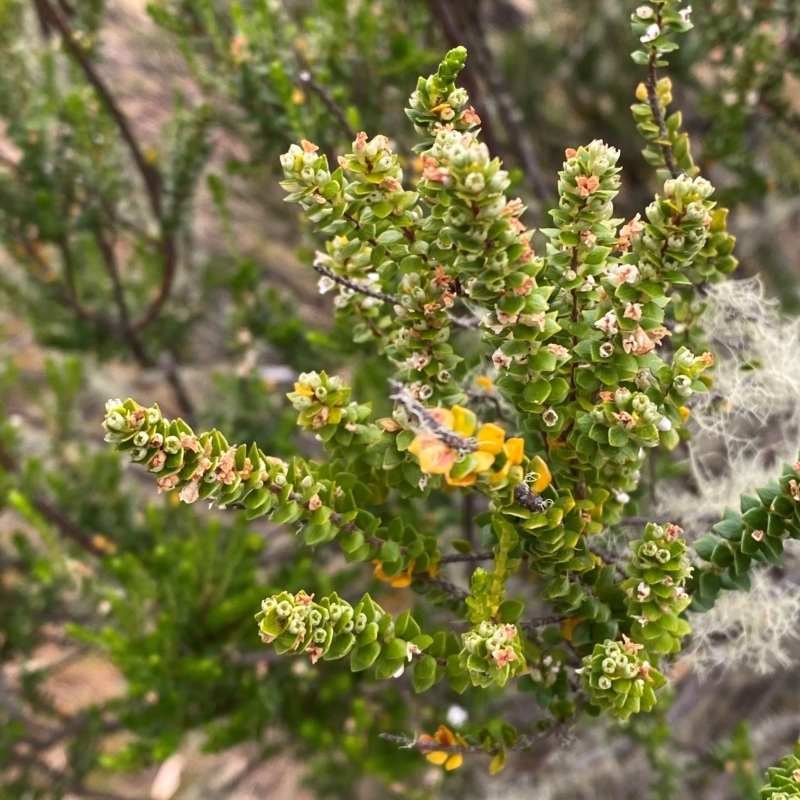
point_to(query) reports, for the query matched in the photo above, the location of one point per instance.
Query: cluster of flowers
(204, 466)
(492, 653)
(324, 407)
(330, 629)
(656, 593)
(623, 422)
(619, 680)
(471, 453)
(443, 737)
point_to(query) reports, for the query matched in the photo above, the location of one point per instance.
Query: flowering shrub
(537, 382)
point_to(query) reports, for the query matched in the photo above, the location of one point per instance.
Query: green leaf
(511, 610)
(498, 762)
(389, 552)
(617, 437)
(364, 656)
(391, 236)
(424, 674)
(396, 649)
(704, 546)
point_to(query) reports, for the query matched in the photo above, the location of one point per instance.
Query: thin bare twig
(510, 114)
(149, 174)
(456, 592)
(652, 99)
(609, 558)
(109, 258)
(522, 743)
(387, 298)
(540, 622)
(456, 557)
(306, 80)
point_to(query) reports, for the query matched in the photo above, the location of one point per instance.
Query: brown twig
(456, 592)
(652, 98)
(149, 174)
(522, 743)
(96, 545)
(306, 80)
(442, 13)
(510, 114)
(109, 258)
(387, 298)
(457, 557)
(540, 622)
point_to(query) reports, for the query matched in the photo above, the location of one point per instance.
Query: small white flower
(651, 34)
(664, 424)
(325, 284)
(686, 14)
(645, 12)
(608, 323)
(500, 359)
(456, 716)
(399, 671)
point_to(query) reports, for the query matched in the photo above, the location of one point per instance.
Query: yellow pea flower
(399, 581)
(304, 390)
(545, 478)
(446, 738)
(437, 458)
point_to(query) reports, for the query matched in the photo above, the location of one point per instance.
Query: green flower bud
(115, 421)
(172, 445)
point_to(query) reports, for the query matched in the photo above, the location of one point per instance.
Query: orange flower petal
(454, 762)
(444, 736)
(444, 416)
(514, 450)
(401, 581)
(545, 478)
(379, 573)
(437, 758)
(466, 480)
(485, 383)
(464, 421)
(304, 390)
(484, 460)
(434, 456)
(491, 438)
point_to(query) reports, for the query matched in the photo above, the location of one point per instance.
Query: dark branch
(456, 557)
(522, 743)
(540, 622)
(652, 98)
(306, 80)
(150, 175)
(387, 298)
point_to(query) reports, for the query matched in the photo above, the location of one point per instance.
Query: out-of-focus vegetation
(146, 250)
